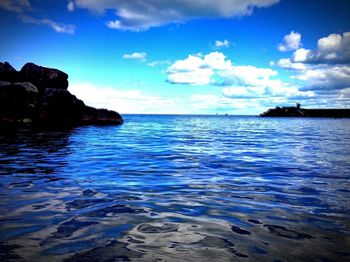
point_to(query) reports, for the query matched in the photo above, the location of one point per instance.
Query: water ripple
(162, 188)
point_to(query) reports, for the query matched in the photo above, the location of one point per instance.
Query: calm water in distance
(178, 188)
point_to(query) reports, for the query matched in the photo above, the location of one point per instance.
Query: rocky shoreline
(297, 111)
(38, 96)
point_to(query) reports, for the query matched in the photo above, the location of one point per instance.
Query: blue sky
(187, 57)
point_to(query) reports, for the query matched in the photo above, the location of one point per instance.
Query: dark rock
(59, 106)
(301, 112)
(18, 102)
(8, 73)
(38, 95)
(284, 112)
(43, 77)
(100, 116)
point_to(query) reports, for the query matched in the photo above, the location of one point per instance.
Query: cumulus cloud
(123, 101)
(325, 69)
(195, 70)
(220, 44)
(332, 49)
(287, 63)
(136, 55)
(291, 42)
(57, 27)
(17, 6)
(215, 69)
(238, 81)
(143, 14)
(326, 78)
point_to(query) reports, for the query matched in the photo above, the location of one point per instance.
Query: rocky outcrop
(43, 77)
(284, 112)
(302, 112)
(38, 95)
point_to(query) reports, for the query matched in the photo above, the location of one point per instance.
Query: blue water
(178, 188)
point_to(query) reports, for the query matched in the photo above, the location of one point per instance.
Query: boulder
(8, 73)
(43, 99)
(43, 77)
(101, 116)
(18, 102)
(58, 106)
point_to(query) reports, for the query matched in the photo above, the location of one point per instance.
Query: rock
(60, 107)
(284, 112)
(100, 116)
(43, 99)
(8, 73)
(18, 102)
(301, 112)
(43, 77)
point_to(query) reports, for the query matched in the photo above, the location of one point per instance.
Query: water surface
(175, 188)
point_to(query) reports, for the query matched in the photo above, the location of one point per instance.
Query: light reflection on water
(169, 188)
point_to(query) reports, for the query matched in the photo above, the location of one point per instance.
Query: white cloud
(333, 49)
(224, 43)
(238, 81)
(215, 69)
(136, 55)
(70, 6)
(325, 69)
(17, 6)
(291, 42)
(123, 101)
(301, 55)
(59, 28)
(197, 70)
(326, 78)
(288, 64)
(158, 63)
(143, 14)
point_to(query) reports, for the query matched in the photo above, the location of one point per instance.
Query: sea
(178, 188)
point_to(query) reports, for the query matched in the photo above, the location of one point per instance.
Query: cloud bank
(144, 14)
(237, 81)
(325, 70)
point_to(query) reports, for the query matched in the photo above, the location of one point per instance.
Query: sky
(187, 57)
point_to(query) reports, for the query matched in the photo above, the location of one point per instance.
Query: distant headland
(38, 95)
(297, 111)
